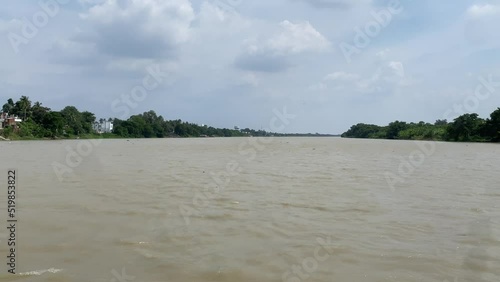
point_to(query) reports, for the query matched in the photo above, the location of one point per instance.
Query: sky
(324, 64)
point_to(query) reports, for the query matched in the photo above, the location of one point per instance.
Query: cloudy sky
(331, 63)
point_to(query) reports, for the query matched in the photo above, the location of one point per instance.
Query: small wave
(358, 210)
(131, 242)
(40, 272)
(302, 206)
(149, 254)
(217, 216)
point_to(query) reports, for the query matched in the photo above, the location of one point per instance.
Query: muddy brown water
(239, 209)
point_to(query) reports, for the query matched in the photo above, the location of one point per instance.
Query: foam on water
(40, 272)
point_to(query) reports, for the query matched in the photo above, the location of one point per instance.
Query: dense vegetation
(42, 122)
(467, 127)
(149, 125)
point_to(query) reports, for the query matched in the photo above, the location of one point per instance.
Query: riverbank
(465, 128)
(14, 137)
(114, 136)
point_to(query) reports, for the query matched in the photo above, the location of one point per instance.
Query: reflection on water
(304, 209)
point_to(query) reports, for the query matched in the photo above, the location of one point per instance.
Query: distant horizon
(242, 127)
(225, 63)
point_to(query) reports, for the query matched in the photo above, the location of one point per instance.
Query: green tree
(360, 130)
(23, 107)
(88, 120)
(30, 129)
(119, 128)
(156, 123)
(441, 122)
(7, 131)
(73, 120)
(53, 122)
(181, 130)
(7, 107)
(466, 127)
(492, 126)
(395, 128)
(38, 112)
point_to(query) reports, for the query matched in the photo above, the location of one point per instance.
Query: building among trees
(103, 126)
(9, 120)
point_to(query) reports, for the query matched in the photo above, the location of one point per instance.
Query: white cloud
(139, 65)
(298, 38)
(317, 87)
(216, 23)
(271, 53)
(383, 54)
(384, 79)
(140, 28)
(398, 68)
(336, 4)
(11, 25)
(250, 79)
(73, 52)
(480, 11)
(343, 76)
(210, 11)
(91, 2)
(388, 75)
(481, 22)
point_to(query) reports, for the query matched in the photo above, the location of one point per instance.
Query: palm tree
(25, 105)
(38, 111)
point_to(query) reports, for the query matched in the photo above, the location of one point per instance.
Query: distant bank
(24, 120)
(465, 128)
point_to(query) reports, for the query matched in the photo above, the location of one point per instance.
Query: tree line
(465, 128)
(42, 122)
(150, 125)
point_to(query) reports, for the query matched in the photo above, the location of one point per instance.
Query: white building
(6, 120)
(103, 127)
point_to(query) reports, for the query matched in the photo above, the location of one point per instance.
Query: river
(252, 209)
